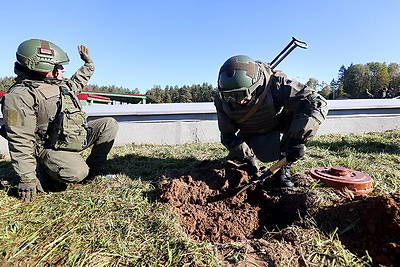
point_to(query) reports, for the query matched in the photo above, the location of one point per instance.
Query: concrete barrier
(181, 123)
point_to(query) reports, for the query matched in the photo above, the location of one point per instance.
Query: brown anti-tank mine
(340, 178)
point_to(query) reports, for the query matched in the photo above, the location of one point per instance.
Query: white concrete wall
(197, 122)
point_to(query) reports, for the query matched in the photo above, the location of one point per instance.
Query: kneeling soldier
(44, 122)
(261, 113)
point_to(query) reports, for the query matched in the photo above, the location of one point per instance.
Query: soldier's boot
(283, 177)
(103, 173)
(45, 182)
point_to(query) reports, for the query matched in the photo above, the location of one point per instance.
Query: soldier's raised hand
(84, 53)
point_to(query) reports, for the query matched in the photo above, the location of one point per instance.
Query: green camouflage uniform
(288, 110)
(28, 107)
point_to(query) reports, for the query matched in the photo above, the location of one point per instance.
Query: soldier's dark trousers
(266, 147)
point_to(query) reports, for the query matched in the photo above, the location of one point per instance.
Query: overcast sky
(140, 44)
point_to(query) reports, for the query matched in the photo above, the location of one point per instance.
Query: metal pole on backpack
(287, 50)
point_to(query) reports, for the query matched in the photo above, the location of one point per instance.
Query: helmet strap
(21, 70)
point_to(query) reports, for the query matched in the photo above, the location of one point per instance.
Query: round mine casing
(340, 178)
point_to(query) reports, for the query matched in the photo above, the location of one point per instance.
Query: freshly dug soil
(373, 224)
(203, 200)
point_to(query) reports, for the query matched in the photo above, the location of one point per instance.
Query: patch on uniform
(11, 117)
(49, 91)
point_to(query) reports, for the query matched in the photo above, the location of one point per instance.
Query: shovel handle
(287, 50)
(299, 43)
(272, 170)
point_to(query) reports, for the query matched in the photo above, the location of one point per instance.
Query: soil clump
(269, 222)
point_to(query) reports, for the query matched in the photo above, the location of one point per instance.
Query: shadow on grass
(148, 168)
(132, 165)
(360, 146)
(8, 178)
(7, 174)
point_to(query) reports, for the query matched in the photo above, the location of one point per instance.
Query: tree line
(170, 94)
(183, 94)
(371, 80)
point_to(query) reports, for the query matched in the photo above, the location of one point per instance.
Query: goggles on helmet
(236, 94)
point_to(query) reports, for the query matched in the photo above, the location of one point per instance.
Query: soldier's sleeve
(308, 108)
(226, 126)
(307, 121)
(20, 124)
(80, 79)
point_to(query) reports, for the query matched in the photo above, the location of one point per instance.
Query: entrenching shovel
(287, 50)
(271, 171)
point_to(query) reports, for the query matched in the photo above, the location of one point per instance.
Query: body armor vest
(262, 121)
(264, 118)
(61, 123)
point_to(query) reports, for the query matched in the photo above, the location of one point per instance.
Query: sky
(142, 44)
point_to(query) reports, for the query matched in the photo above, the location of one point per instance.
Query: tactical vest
(61, 123)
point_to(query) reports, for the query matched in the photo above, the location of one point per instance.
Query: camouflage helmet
(237, 78)
(40, 55)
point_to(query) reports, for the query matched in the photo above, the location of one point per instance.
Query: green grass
(120, 223)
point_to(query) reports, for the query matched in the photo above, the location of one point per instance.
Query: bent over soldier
(44, 122)
(263, 114)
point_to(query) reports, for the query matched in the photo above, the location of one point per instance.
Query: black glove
(84, 54)
(295, 150)
(239, 152)
(27, 192)
(251, 164)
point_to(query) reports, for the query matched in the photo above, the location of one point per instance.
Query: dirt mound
(369, 223)
(190, 197)
(201, 199)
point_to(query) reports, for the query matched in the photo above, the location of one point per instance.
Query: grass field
(119, 222)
